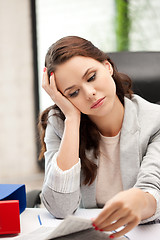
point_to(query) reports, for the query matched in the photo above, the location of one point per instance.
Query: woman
(101, 142)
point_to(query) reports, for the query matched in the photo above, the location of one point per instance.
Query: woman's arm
(148, 178)
(68, 154)
(61, 189)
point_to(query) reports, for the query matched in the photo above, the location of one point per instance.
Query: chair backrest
(144, 70)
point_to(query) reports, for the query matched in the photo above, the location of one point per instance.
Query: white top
(109, 181)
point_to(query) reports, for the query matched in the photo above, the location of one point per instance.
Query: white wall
(145, 25)
(93, 20)
(17, 132)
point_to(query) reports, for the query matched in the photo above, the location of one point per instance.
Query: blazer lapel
(129, 146)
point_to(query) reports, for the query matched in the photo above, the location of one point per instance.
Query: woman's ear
(108, 66)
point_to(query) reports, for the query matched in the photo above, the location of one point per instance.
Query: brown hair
(60, 52)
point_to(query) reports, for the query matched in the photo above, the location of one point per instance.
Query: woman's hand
(126, 209)
(49, 85)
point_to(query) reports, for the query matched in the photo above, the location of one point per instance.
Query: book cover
(14, 192)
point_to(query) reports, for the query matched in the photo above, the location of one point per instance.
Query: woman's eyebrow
(68, 88)
(86, 72)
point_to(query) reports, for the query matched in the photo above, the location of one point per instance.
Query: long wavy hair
(59, 53)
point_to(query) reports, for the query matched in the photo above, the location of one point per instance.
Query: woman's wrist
(151, 206)
(73, 119)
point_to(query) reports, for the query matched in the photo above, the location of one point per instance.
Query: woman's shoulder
(143, 113)
(143, 105)
(146, 111)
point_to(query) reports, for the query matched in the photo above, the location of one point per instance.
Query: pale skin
(75, 87)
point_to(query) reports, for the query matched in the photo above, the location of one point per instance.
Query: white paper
(49, 221)
(70, 225)
(145, 232)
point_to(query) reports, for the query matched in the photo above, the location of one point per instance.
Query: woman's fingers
(117, 224)
(49, 85)
(52, 81)
(107, 214)
(125, 230)
(114, 220)
(45, 80)
(126, 223)
(54, 94)
(122, 211)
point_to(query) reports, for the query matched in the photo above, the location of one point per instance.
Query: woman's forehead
(77, 63)
(74, 70)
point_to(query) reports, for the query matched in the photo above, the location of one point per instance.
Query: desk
(29, 222)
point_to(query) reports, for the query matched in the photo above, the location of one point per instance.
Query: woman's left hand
(124, 210)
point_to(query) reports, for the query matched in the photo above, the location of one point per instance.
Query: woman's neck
(110, 124)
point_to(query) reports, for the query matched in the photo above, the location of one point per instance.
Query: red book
(9, 217)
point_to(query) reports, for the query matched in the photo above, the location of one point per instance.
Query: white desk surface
(29, 222)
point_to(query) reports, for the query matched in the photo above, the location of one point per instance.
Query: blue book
(14, 192)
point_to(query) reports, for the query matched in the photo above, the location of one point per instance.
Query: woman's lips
(98, 103)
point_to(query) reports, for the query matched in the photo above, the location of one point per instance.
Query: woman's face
(88, 84)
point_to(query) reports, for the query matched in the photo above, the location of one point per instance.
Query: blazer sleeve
(149, 175)
(61, 189)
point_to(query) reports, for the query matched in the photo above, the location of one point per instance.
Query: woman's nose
(90, 91)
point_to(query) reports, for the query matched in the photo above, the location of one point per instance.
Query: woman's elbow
(60, 205)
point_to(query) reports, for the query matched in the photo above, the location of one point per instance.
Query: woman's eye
(92, 78)
(74, 94)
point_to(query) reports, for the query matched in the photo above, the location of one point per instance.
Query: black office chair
(33, 198)
(144, 70)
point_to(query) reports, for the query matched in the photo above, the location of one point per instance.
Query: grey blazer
(139, 158)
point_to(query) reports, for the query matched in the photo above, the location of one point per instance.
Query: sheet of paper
(40, 233)
(43, 233)
(146, 232)
(70, 225)
(71, 228)
(90, 213)
(48, 220)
